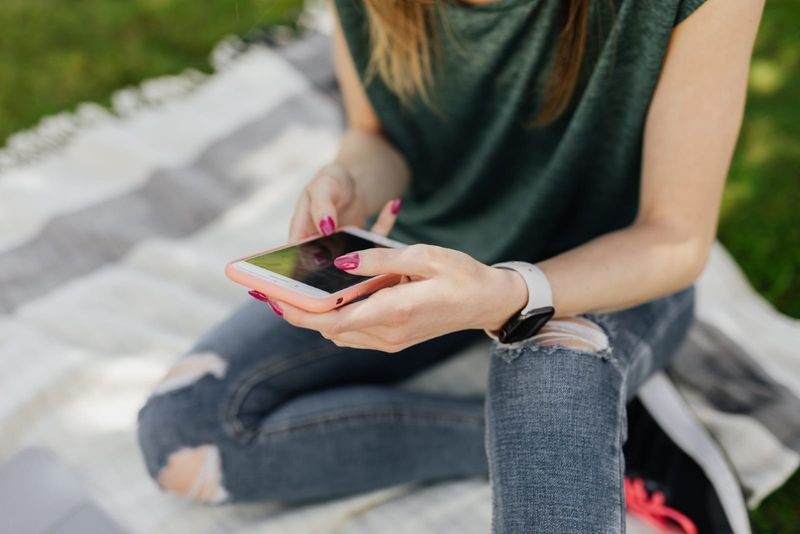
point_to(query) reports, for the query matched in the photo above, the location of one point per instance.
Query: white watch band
(539, 293)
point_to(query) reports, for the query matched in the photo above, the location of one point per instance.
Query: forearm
(625, 268)
(690, 134)
(378, 169)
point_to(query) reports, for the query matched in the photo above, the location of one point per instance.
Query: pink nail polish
(258, 295)
(347, 262)
(326, 225)
(396, 203)
(277, 309)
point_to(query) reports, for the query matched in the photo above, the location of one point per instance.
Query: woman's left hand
(442, 291)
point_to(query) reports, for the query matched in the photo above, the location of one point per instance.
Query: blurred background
(54, 55)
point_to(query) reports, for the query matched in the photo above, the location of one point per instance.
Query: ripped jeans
(261, 410)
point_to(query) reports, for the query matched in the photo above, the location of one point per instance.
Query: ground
(54, 55)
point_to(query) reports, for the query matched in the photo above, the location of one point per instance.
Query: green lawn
(761, 210)
(54, 55)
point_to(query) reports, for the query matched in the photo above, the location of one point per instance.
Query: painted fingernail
(326, 225)
(396, 203)
(258, 295)
(277, 309)
(347, 262)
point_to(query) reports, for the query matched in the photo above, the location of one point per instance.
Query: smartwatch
(539, 309)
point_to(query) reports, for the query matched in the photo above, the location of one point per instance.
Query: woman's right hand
(332, 200)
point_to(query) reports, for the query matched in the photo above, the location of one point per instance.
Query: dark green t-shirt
(485, 183)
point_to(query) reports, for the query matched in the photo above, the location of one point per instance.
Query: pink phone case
(307, 302)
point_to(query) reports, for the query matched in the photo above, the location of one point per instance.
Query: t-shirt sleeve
(686, 8)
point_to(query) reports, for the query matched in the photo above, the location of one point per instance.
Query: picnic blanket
(114, 230)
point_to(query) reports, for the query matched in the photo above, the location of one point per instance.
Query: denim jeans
(267, 411)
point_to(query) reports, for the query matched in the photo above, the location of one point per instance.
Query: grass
(56, 54)
(53, 57)
(760, 221)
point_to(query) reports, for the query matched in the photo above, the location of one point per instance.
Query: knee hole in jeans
(572, 332)
(189, 370)
(194, 472)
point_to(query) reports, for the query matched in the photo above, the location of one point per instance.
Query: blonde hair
(404, 45)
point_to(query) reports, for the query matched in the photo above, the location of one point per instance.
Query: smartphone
(303, 273)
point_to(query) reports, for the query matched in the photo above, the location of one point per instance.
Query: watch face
(525, 326)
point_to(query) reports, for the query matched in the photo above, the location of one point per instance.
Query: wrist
(335, 168)
(509, 296)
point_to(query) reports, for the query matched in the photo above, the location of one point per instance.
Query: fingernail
(396, 203)
(277, 309)
(347, 262)
(326, 225)
(258, 295)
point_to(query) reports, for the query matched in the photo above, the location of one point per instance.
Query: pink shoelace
(651, 509)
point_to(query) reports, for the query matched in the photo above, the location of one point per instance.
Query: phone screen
(312, 262)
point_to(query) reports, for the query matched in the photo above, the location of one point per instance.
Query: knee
(570, 334)
(194, 471)
(568, 365)
(169, 420)
(575, 333)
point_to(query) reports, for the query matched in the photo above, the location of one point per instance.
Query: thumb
(412, 260)
(387, 217)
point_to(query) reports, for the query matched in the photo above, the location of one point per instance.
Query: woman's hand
(442, 291)
(332, 200)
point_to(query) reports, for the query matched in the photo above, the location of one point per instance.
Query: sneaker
(667, 488)
(649, 505)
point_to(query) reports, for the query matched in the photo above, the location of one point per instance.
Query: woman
(588, 138)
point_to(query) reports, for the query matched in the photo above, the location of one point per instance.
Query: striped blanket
(114, 229)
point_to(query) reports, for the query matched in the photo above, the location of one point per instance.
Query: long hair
(403, 41)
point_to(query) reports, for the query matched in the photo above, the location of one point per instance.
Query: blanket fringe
(55, 131)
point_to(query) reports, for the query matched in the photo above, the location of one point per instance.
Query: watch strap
(539, 293)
